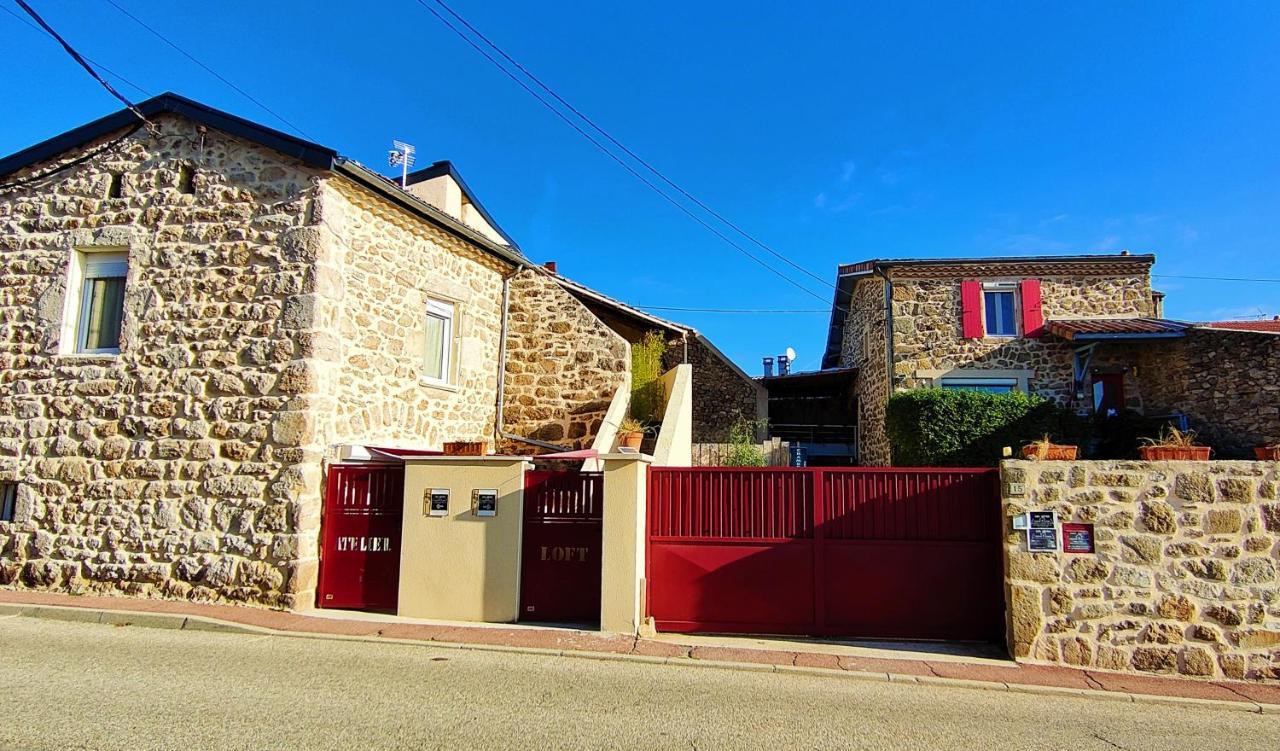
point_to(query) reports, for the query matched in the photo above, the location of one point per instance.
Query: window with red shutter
(1032, 317)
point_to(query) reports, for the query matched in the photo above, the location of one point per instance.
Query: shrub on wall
(647, 394)
(957, 428)
(744, 449)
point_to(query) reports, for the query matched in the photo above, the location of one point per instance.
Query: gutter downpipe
(498, 432)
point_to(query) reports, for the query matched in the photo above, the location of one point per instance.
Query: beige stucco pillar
(622, 559)
(462, 566)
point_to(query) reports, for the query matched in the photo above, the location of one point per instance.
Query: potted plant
(1173, 444)
(1268, 453)
(1046, 450)
(631, 433)
(465, 448)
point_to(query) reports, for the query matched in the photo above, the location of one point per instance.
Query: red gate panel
(360, 532)
(869, 552)
(560, 559)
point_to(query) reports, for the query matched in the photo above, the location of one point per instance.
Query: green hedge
(957, 428)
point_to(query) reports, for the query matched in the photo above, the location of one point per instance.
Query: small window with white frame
(437, 362)
(8, 501)
(1000, 309)
(95, 302)
(986, 385)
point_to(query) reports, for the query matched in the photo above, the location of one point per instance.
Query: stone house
(1085, 331)
(197, 313)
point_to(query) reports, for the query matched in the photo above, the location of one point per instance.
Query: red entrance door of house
(360, 529)
(560, 562)
(868, 552)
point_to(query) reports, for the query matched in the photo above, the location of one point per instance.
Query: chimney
(550, 266)
(768, 367)
(784, 365)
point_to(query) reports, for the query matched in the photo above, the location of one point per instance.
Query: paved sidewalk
(874, 662)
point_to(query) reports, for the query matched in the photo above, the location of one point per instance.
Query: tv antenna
(401, 155)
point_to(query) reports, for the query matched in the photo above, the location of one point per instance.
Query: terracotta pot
(1174, 453)
(1053, 452)
(630, 440)
(1267, 453)
(465, 448)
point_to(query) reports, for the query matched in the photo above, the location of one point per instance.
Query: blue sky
(832, 131)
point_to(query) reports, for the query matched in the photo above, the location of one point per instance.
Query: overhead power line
(1217, 278)
(701, 204)
(80, 59)
(609, 153)
(207, 69)
(730, 310)
(93, 62)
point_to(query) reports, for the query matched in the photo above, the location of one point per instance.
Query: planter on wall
(1174, 453)
(1052, 452)
(1267, 453)
(630, 440)
(465, 448)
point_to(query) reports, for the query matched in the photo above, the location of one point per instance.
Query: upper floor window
(438, 357)
(95, 301)
(1000, 304)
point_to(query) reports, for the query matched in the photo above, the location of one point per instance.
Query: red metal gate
(360, 529)
(560, 566)
(867, 552)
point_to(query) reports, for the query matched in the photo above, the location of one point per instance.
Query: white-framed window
(8, 500)
(95, 302)
(1000, 309)
(988, 385)
(437, 359)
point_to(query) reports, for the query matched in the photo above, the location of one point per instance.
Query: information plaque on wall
(1040, 539)
(438, 502)
(1077, 538)
(484, 502)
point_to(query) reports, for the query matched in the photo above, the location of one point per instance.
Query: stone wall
(563, 364)
(1226, 382)
(722, 395)
(175, 468)
(1183, 580)
(864, 348)
(928, 338)
(377, 267)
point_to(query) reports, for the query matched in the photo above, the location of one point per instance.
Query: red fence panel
(560, 559)
(360, 533)
(891, 553)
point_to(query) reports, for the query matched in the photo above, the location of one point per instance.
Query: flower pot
(465, 448)
(1174, 453)
(630, 440)
(1052, 452)
(1267, 453)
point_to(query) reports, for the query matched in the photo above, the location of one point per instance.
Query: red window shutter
(1032, 317)
(971, 309)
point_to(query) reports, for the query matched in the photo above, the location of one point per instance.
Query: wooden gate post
(623, 539)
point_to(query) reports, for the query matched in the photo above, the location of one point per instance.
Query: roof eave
(378, 184)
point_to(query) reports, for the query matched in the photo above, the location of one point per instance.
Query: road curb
(173, 621)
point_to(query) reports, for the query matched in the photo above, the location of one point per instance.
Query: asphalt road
(71, 686)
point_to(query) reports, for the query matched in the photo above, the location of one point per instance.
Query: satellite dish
(791, 354)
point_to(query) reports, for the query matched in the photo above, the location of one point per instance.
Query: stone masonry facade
(174, 468)
(928, 341)
(1226, 382)
(1184, 578)
(563, 365)
(271, 312)
(722, 395)
(864, 348)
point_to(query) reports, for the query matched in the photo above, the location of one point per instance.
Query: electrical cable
(99, 65)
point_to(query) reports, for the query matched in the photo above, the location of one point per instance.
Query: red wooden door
(560, 559)
(883, 553)
(360, 530)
